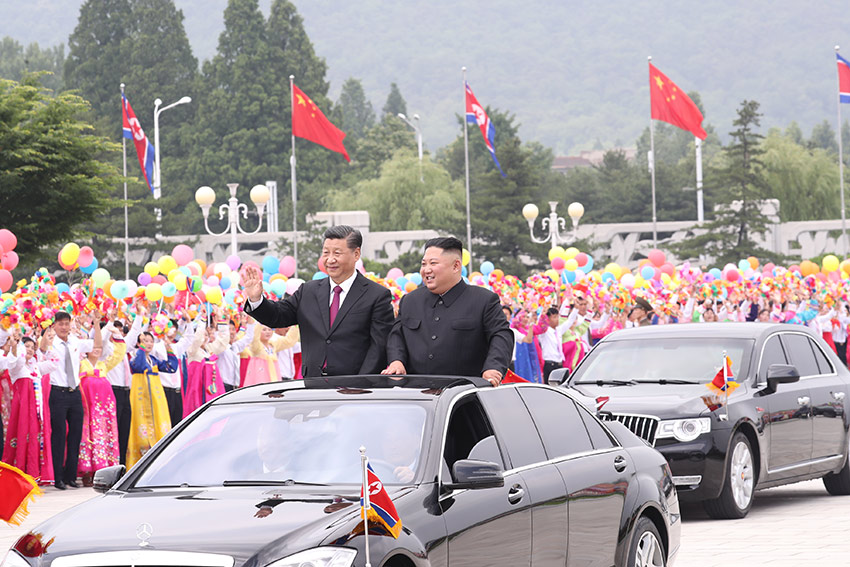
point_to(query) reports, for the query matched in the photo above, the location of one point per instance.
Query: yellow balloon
(555, 252)
(152, 269)
(166, 264)
(639, 281)
(830, 263)
(614, 269)
(214, 295)
(70, 253)
(172, 274)
(571, 265)
(553, 275)
(465, 257)
(180, 281)
(153, 292)
(570, 252)
(665, 278)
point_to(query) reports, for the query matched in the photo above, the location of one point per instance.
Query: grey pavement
(793, 525)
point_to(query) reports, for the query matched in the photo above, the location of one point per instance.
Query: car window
(558, 421)
(800, 352)
(773, 353)
(598, 436)
(514, 426)
(470, 435)
(824, 365)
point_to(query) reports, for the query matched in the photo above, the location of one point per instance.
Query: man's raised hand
(252, 283)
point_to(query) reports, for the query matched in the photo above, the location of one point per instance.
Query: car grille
(644, 426)
(144, 558)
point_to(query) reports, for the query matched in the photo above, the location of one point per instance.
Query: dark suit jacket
(461, 333)
(356, 344)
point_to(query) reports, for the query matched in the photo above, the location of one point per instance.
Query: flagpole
(466, 164)
(366, 504)
(841, 173)
(292, 170)
(700, 205)
(726, 383)
(126, 217)
(652, 169)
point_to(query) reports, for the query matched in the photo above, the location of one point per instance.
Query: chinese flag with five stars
(670, 104)
(309, 123)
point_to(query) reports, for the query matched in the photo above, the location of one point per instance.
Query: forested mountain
(572, 73)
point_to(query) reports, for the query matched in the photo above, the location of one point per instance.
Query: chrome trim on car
(805, 464)
(644, 426)
(691, 480)
(763, 383)
(144, 557)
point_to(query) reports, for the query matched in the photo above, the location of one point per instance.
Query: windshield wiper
(609, 382)
(663, 381)
(269, 482)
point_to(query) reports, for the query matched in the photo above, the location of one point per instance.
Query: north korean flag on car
(843, 79)
(381, 507)
(133, 130)
(723, 381)
(475, 114)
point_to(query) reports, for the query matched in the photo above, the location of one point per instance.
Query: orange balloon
(202, 264)
(498, 274)
(107, 289)
(807, 268)
(410, 286)
(754, 262)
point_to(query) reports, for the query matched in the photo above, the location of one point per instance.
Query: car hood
(665, 401)
(219, 520)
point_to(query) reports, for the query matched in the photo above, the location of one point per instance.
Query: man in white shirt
(66, 404)
(228, 361)
(550, 342)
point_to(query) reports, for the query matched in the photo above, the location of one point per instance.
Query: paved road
(791, 525)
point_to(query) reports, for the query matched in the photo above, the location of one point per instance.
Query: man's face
(507, 313)
(62, 328)
(339, 259)
(553, 320)
(639, 313)
(440, 270)
(764, 317)
(581, 305)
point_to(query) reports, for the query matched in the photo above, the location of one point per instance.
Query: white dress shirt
(172, 379)
(121, 374)
(550, 343)
(77, 348)
(839, 333)
(228, 361)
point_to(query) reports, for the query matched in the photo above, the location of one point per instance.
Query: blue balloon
(279, 288)
(487, 267)
(224, 282)
(587, 268)
(571, 276)
(319, 275)
(608, 276)
(185, 270)
(401, 281)
(744, 265)
(416, 278)
(266, 276)
(62, 287)
(464, 272)
(716, 273)
(230, 297)
(647, 272)
(271, 265)
(90, 268)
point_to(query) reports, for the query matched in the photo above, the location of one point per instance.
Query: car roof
(352, 388)
(708, 330)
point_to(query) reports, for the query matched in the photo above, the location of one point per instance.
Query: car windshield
(292, 442)
(668, 360)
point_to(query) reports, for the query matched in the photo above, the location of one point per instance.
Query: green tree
(740, 185)
(823, 137)
(16, 61)
(395, 104)
(358, 116)
(51, 167)
(795, 133)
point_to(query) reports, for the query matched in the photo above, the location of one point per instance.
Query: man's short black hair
(352, 236)
(61, 316)
(446, 243)
(552, 311)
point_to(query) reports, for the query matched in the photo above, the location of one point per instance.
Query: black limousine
(786, 421)
(270, 476)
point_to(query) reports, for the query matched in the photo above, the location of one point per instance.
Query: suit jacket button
(433, 337)
(436, 318)
(328, 341)
(430, 356)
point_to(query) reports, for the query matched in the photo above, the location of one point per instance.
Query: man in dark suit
(449, 327)
(344, 319)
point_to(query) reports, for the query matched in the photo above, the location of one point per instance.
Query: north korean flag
(843, 79)
(381, 507)
(133, 130)
(475, 114)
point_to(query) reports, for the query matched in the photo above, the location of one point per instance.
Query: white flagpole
(652, 169)
(726, 383)
(292, 170)
(366, 504)
(466, 163)
(126, 221)
(700, 206)
(841, 176)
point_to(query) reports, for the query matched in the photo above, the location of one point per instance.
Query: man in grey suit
(449, 327)
(344, 319)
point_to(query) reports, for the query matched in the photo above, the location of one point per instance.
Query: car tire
(736, 498)
(646, 549)
(838, 484)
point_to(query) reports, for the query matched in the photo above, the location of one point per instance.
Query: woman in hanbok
(27, 447)
(527, 364)
(99, 445)
(204, 381)
(150, 418)
(262, 364)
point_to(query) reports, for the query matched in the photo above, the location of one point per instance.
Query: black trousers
(548, 367)
(229, 387)
(841, 349)
(66, 411)
(175, 404)
(124, 415)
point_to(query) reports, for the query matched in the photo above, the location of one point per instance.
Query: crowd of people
(88, 383)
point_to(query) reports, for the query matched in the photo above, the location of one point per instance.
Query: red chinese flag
(17, 489)
(670, 104)
(309, 123)
(512, 377)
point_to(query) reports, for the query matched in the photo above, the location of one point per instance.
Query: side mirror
(476, 474)
(559, 376)
(781, 374)
(104, 479)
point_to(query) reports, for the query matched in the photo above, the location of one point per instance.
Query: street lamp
(553, 222)
(157, 178)
(205, 197)
(418, 139)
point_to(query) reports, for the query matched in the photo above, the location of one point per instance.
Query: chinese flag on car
(17, 490)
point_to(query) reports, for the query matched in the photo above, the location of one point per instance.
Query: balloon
(558, 263)
(808, 268)
(166, 263)
(581, 258)
(180, 281)
(62, 287)
(132, 288)
(194, 284)
(716, 273)
(647, 272)
(321, 266)
(69, 253)
(499, 274)
(169, 289)
(571, 265)
(552, 274)
(570, 253)
(212, 281)
(743, 265)
(90, 268)
(152, 269)
(287, 266)
(754, 262)
(160, 279)
(656, 257)
(580, 274)
(487, 267)
(615, 269)
(119, 290)
(182, 254)
(358, 265)
(5, 280)
(99, 277)
(153, 292)
(86, 257)
(830, 263)
(394, 274)
(627, 281)
(556, 252)
(271, 265)
(293, 284)
(668, 269)
(279, 288)
(8, 241)
(416, 278)
(214, 295)
(225, 283)
(409, 286)
(401, 282)
(733, 275)
(9, 260)
(569, 275)
(465, 257)
(233, 261)
(588, 266)
(319, 275)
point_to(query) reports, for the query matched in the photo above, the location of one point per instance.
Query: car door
(827, 391)
(543, 483)
(489, 526)
(789, 407)
(595, 470)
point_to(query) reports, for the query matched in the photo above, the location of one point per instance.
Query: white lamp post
(553, 223)
(157, 178)
(205, 197)
(418, 139)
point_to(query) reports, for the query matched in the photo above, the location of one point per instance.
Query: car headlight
(13, 559)
(683, 429)
(318, 557)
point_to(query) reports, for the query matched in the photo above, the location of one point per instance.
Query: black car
(270, 476)
(786, 421)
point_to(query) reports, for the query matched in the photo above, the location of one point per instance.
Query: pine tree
(395, 104)
(16, 61)
(358, 116)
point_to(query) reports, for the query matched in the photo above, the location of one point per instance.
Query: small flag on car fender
(381, 507)
(722, 382)
(17, 490)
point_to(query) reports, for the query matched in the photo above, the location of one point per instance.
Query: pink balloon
(233, 262)
(394, 273)
(581, 259)
(656, 257)
(144, 278)
(668, 269)
(359, 266)
(287, 266)
(733, 274)
(160, 279)
(7, 240)
(558, 263)
(5, 280)
(86, 257)
(9, 260)
(182, 254)
(321, 265)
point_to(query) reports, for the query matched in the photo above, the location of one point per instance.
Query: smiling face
(146, 341)
(441, 269)
(339, 259)
(62, 328)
